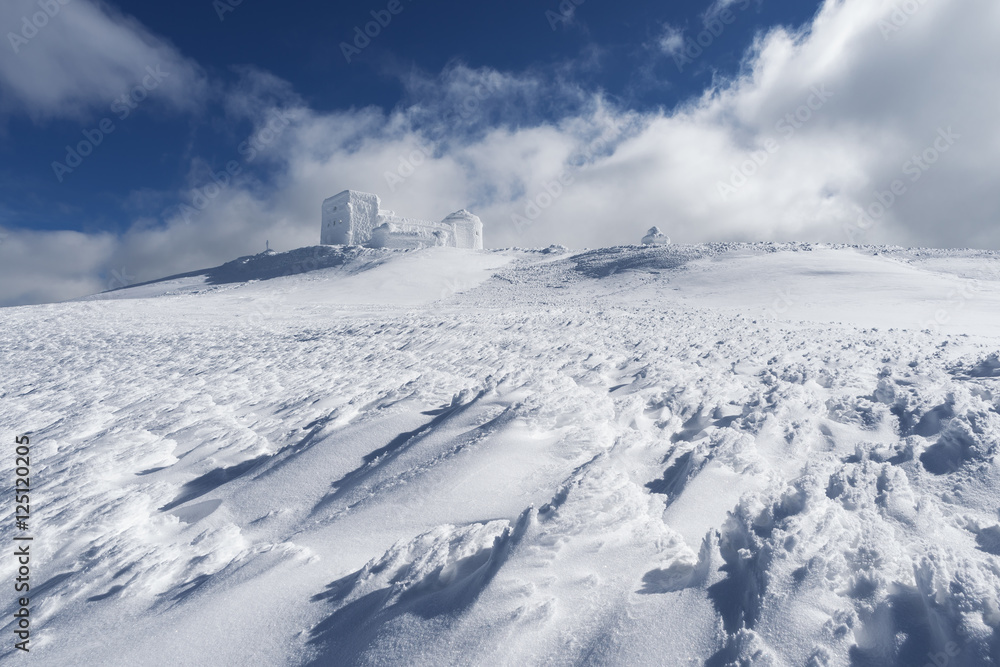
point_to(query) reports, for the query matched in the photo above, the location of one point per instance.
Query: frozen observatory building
(357, 218)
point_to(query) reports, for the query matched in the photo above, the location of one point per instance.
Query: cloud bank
(873, 123)
(64, 58)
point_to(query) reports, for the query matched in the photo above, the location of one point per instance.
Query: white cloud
(719, 6)
(37, 267)
(671, 41)
(64, 60)
(844, 105)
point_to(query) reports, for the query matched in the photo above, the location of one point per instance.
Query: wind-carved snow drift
(662, 455)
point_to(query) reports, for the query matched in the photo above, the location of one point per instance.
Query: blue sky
(789, 121)
(599, 46)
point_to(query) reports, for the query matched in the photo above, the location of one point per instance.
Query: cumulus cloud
(63, 58)
(872, 123)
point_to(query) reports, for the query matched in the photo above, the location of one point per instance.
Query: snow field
(625, 456)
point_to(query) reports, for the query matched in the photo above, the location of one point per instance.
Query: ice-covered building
(357, 218)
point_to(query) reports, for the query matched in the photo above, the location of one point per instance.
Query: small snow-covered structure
(655, 237)
(357, 218)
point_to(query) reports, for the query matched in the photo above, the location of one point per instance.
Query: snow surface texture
(662, 455)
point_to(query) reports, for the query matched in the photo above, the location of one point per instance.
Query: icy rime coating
(458, 230)
(467, 228)
(404, 233)
(589, 459)
(355, 218)
(349, 218)
(655, 237)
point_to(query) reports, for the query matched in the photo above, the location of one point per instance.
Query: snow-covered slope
(667, 455)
